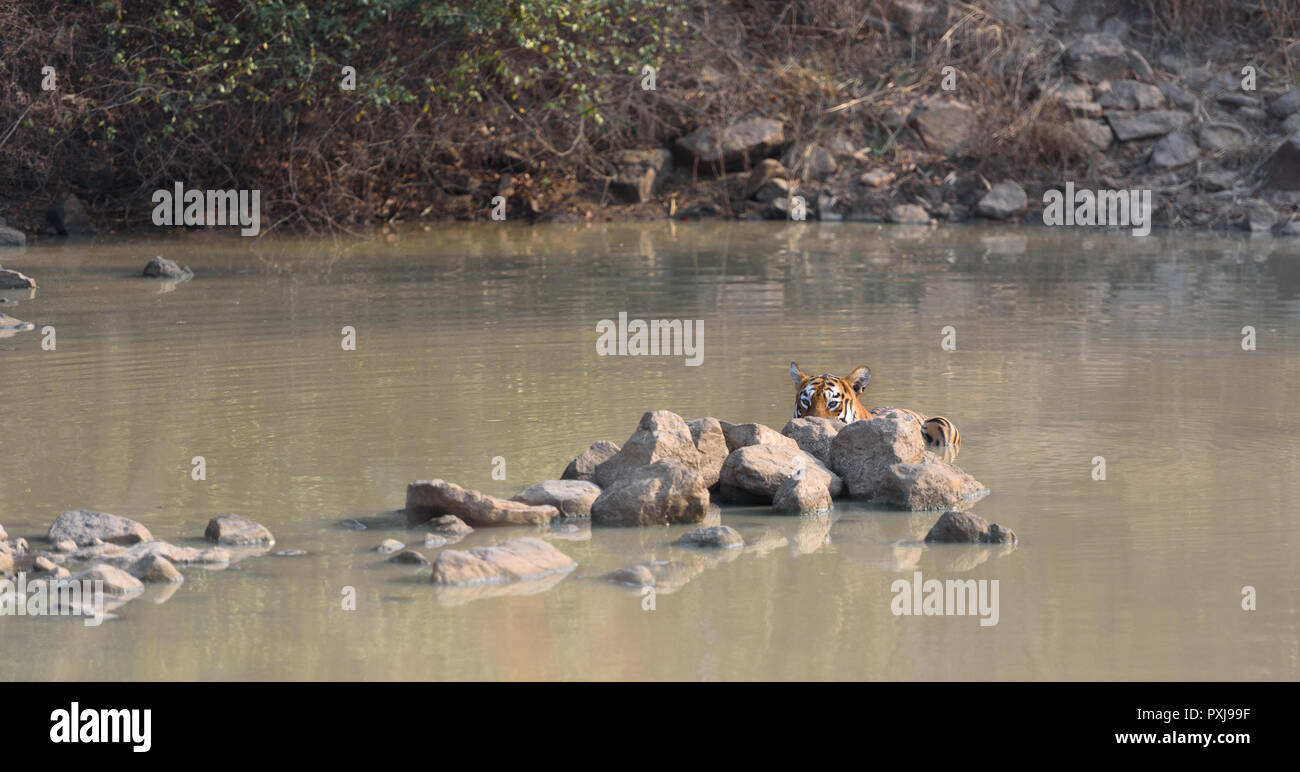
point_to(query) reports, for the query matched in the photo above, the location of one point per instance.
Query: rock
(449, 527)
(20, 546)
(665, 492)
(584, 466)
(801, 495)
(353, 524)
(173, 554)
(1253, 113)
(711, 442)
(6, 562)
(713, 537)
(388, 546)
(117, 582)
(1285, 105)
(3, 536)
(764, 172)
(11, 325)
(44, 564)
(155, 569)
(1237, 99)
(1132, 95)
(1145, 124)
(410, 558)
(67, 545)
(863, 451)
(1259, 216)
(68, 218)
(237, 531)
(744, 435)
(638, 575)
(11, 237)
(572, 497)
(1284, 165)
(434, 540)
(968, 528)
(1095, 134)
(812, 162)
(1174, 150)
(516, 560)
(1222, 137)
(1291, 125)
(734, 146)
(637, 173)
(945, 125)
(876, 178)
(752, 474)
(1180, 97)
(814, 435)
(909, 214)
(83, 527)
(161, 267)
(660, 434)
(1005, 199)
(429, 498)
(1097, 57)
(928, 484)
(775, 189)
(1217, 181)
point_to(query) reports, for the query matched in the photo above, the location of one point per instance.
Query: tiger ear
(797, 375)
(859, 379)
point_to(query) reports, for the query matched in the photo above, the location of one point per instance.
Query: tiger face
(828, 395)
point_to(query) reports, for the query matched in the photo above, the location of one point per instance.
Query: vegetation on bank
(453, 99)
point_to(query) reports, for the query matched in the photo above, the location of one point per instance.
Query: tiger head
(829, 396)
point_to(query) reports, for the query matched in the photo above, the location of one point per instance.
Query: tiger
(830, 396)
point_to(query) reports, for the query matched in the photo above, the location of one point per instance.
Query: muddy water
(477, 344)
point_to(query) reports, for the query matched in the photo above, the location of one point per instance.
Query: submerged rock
(11, 280)
(155, 568)
(516, 560)
(430, 498)
(410, 558)
(572, 497)
(968, 528)
(448, 527)
(584, 466)
(161, 267)
(752, 474)
(389, 546)
(213, 556)
(713, 537)
(116, 581)
(661, 493)
(238, 531)
(83, 527)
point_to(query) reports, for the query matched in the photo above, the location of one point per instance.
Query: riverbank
(903, 111)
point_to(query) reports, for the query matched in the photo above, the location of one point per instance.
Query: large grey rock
(864, 450)
(12, 237)
(733, 146)
(968, 528)
(1285, 105)
(752, 474)
(1097, 57)
(711, 442)
(930, 483)
(744, 435)
(712, 537)
(426, 499)
(1132, 95)
(516, 560)
(801, 495)
(1258, 216)
(233, 530)
(572, 497)
(662, 493)
(946, 126)
(84, 526)
(161, 267)
(1284, 165)
(11, 279)
(637, 173)
(1005, 199)
(660, 434)
(584, 466)
(814, 435)
(1174, 150)
(1145, 124)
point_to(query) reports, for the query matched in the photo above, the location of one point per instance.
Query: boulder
(713, 537)
(1258, 216)
(1284, 165)
(1095, 134)
(1002, 201)
(572, 497)
(664, 492)
(516, 560)
(1285, 105)
(765, 171)
(660, 434)
(945, 125)
(233, 530)
(1132, 95)
(1145, 124)
(812, 161)
(11, 280)
(155, 568)
(752, 474)
(1097, 57)
(744, 435)
(448, 527)
(429, 498)
(117, 582)
(12, 237)
(1174, 150)
(161, 267)
(83, 527)
(814, 435)
(584, 466)
(930, 483)
(909, 214)
(711, 442)
(734, 146)
(68, 218)
(864, 450)
(801, 496)
(968, 528)
(637, 173)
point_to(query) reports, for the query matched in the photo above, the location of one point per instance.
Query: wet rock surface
(517, 560)
(426, 499)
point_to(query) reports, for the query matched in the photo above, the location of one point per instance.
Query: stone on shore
(1145, 124)
(712, 537)
(430, 498)
(944, 125)
(1097, 57)
(1002, 201)
(83, 527)
(233, 530)
(516, 560)
(1284, 165)
(584, 466)
(956, 526)
(572, 497)
(11, 237)
(814, 435)
(752, 474)
(734, 146)
(909, 214)
(660, 434)
(68, 217)
(637, 173)
(662, 493)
